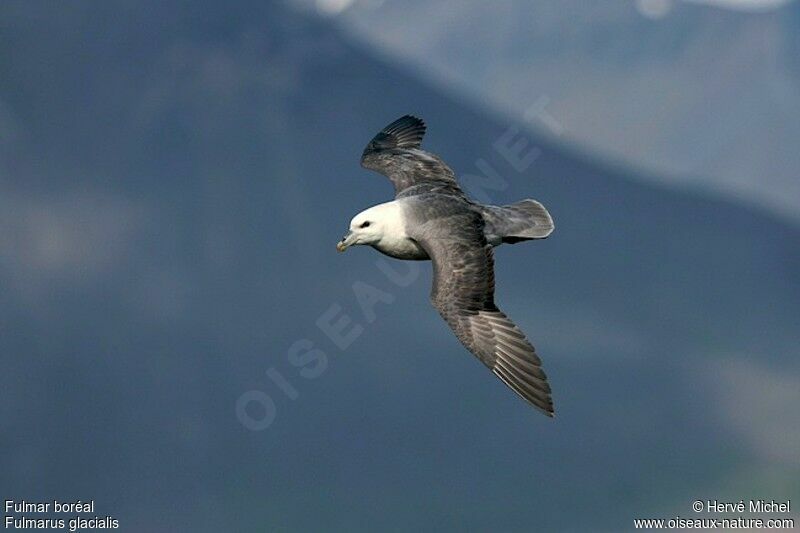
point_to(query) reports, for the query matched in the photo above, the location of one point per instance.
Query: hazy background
(174, 178)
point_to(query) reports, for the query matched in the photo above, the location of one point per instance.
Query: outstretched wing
(463, 293)
(395, 152)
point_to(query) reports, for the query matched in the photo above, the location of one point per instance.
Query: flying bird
(432, 218)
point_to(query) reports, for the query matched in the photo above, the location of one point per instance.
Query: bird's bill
(346, 242)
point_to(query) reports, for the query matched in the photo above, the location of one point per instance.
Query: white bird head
(369, 226)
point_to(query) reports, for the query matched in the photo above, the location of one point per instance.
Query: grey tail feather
(520, 221)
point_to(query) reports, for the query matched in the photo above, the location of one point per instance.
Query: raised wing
(395, 152)
(463, 293)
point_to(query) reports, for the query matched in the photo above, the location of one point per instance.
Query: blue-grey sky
(703, 95)
(173, 180)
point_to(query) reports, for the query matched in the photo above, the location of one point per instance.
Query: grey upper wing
(395, 152)
(463, 293)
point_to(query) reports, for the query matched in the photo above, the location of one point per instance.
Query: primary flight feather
(432, 218)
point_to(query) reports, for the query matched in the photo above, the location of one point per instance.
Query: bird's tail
(520, 221)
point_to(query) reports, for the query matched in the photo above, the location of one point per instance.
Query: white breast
(394, 241)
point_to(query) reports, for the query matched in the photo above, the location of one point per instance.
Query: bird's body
(432, 218)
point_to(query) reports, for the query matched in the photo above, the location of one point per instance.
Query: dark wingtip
(547, 411)
(405, 132)
(407, 129)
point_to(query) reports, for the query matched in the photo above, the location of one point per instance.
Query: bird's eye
(365, 224)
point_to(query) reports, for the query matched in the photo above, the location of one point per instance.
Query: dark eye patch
(365, 224)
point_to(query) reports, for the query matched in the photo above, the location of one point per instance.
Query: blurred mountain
(693, 95)
(173, 180)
